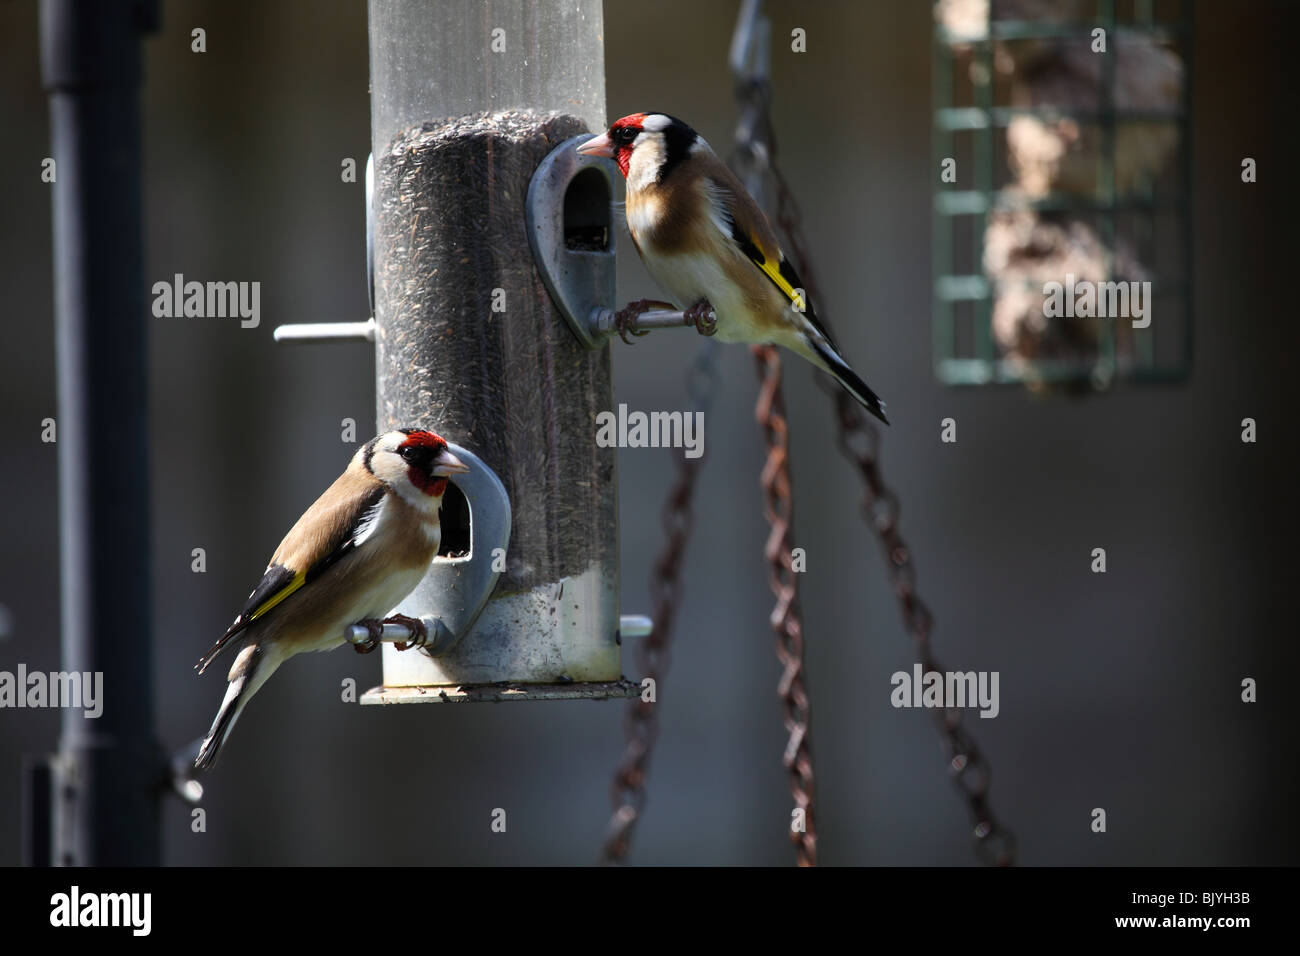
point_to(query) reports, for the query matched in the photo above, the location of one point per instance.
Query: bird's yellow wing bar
(773, 272)
(292, 585)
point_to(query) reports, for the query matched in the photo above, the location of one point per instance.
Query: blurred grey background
(1119, 691)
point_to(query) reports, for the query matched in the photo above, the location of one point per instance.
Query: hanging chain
(641, 724)
(751, 160)
(859, 442)
(786, 619)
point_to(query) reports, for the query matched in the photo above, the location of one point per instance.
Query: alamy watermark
(1085, 299)
(75, 908)
(651, 430)
(947, 689)
(208, 300)
(62, 689)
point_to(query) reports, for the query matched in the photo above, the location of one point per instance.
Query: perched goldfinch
(353, 556)
(705, 240)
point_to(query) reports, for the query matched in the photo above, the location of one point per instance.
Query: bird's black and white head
(414, 463)
(646, 146)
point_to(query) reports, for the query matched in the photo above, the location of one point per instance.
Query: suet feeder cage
(1062, 149)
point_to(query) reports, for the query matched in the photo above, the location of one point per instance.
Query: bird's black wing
(753, 236)
(281, 581)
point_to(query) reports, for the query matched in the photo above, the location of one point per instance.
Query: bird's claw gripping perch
(625, 318)
(701, 316)
(419, 633)
(376, 630)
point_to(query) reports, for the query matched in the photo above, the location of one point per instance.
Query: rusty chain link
(751, 159)
(859, 442)
(786, 619)
(641, 723)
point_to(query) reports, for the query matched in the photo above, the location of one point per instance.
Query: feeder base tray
(501, 692)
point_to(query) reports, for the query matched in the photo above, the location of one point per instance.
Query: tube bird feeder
(468, 99)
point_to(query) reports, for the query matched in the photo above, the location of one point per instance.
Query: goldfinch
(706, 241)
(353, 555)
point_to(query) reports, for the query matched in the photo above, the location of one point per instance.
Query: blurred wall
(1119, 691)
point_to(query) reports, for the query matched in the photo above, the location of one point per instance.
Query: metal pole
(107, 775)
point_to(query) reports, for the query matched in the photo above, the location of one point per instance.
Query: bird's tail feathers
(250, 671)
(207, 658)
(829, 359)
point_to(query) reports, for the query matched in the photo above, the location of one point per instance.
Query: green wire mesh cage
(1063, 142)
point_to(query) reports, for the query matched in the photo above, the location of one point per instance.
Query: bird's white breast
(693, 276)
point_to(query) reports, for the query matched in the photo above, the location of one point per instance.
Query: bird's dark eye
(419, 456)
(623, 135)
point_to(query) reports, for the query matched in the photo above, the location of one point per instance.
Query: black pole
(106, 779)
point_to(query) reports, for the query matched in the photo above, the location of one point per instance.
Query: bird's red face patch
(622, 134)
(418, 451)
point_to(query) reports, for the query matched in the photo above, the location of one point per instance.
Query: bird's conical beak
(448, 464)
(597, 146)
